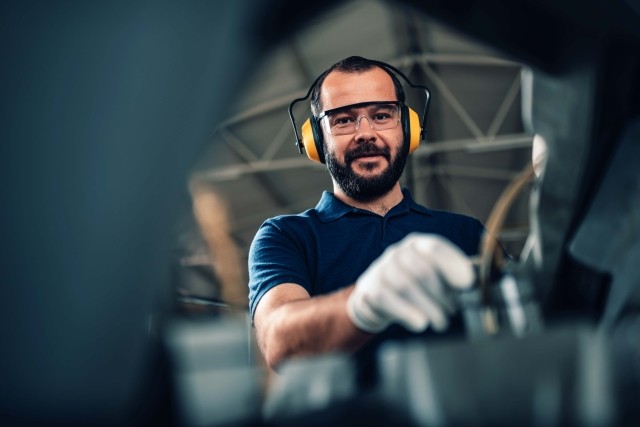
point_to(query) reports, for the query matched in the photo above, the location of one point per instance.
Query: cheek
(336, 146)
(397, 147)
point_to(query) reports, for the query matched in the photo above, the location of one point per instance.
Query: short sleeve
(276, 256)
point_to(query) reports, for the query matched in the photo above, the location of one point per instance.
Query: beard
(366, 189)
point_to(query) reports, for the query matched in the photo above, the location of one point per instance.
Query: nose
(364, 131)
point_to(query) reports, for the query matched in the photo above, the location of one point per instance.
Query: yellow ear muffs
(312, 140)
(414, 130)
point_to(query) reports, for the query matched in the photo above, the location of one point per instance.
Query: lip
(369, 156)
(368, 161)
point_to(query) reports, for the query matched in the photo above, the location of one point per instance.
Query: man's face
(368, 163)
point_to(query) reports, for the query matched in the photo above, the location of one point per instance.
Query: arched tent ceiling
(475, 143)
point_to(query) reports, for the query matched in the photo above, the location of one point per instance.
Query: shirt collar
(329, 208)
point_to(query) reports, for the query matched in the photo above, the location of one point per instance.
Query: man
(367, 256)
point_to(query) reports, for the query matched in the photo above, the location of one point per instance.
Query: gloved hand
(408, 284)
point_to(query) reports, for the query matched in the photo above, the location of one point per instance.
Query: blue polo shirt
(329, 247)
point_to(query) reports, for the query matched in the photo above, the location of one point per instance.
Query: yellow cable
(494, 225)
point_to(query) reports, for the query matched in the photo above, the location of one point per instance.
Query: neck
(380, 205)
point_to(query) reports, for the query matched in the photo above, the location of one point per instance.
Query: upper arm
(276, 257)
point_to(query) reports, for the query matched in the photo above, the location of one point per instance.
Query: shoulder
(291, 229)
(290, 222)
(463, 230)
(456, 218)
(446, 217)
(466, 225)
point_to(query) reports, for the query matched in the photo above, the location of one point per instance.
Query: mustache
(368, 149)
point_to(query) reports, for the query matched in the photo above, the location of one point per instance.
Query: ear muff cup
(411, 127)
(312, 138)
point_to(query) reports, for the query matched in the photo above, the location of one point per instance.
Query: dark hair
(352, 64)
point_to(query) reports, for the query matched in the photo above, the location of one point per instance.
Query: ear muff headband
(312, 138)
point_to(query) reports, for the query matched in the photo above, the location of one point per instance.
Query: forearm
(310, 326)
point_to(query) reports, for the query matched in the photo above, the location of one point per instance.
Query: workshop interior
(144, 143)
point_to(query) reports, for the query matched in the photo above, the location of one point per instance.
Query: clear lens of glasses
(346, 121)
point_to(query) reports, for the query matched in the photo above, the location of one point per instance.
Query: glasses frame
(327, 113)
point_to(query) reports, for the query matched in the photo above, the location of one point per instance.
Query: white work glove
(409, 284)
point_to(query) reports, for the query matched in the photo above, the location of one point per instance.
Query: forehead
(340, 89)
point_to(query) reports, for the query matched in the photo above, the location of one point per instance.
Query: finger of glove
(449, 261)
(373, 303)
(411, 284)
(433, 308)
(365, 316)
(397, 308)
(426, 281)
